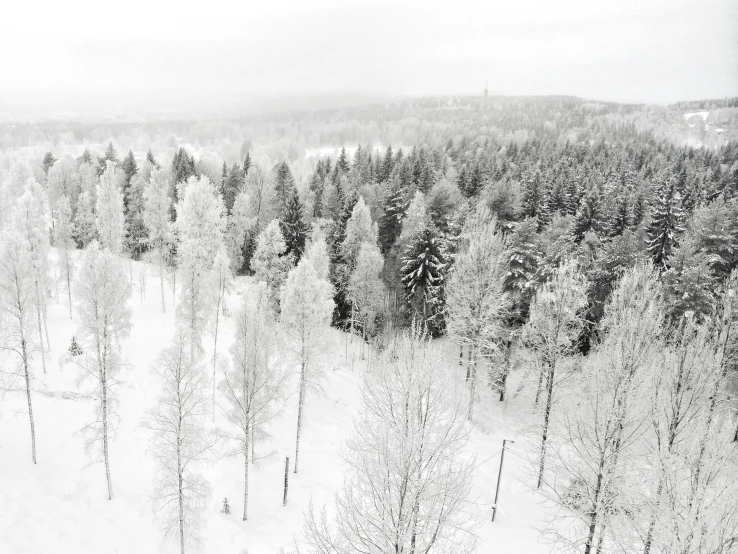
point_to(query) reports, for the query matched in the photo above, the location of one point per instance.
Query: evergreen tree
(284, 183)
(667, 221)
(387, 166)
(589, 217)
(525, 256)
(110, 156)
(48, 161)
(246, 164)
(394, 207)
(85, 230)
(342, 164)
(292, 225)
(423, 275)
(150, 158)
(129, 168)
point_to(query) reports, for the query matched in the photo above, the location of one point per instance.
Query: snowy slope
(60, 505)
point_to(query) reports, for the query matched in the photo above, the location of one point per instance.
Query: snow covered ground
(61, 505)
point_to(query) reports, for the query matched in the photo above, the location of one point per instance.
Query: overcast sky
(627, 50)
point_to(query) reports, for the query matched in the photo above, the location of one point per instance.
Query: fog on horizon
(648, 51)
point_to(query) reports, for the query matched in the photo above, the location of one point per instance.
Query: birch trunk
(24, 351)
(300, 404)
(40, 330)
(546, 419)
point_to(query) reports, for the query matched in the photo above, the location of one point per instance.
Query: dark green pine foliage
(589, 217)
(85, 158)
(423, 276)
(48, 161)
(129, 168)
(342, 163)
(150, 158)
(231, 186)
(621, 216)
(388, 165)
(110, 156)
(667, 221)
(284, 183)
(394, 206)
(530, 194)
(246, 164)
(293, 226)
(525, 256)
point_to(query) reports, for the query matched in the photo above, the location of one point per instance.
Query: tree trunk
(300, 404)
(161, 278)
(594, 513)
(246, 476)
(28, 397)
(473, 358)
(69, 284)
(546, 418)
(105, 433)
(181, 498)
(40, 330)
(652, 524)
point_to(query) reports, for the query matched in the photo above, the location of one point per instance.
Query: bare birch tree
(102, 291)
(179, 442)
(253, 384)
(16, 301)
(408, 482)
(555, 322)
(307, 305)
(157, 205)
(63, 231)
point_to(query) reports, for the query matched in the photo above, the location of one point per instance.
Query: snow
(702, 114)
(60, 505)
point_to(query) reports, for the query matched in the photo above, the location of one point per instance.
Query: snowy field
(61, 505)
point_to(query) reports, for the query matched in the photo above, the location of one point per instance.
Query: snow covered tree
(292, 225)
(102, 292)
(253, 384)
(240, 221)
(30, 218)
(270, 262)
(551, 334)
(284, 184)
(477, 304)
(179, 442)
(394, 206)
(407, 486)
(317, 252)
(85, 230)
(414, 220)
(200, 227)
(64, 242)
(157, 205)
(607, 419)
(222, 281)
(307, 305)
(423, 275)
(110, 221)
(359, 229)
(589, 216)
(17, 297)
(366, 289)
(525, 255)
(667, 221)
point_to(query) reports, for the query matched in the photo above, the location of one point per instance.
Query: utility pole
(499, 476)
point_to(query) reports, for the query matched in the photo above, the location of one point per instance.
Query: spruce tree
(129, 168)
(387, 166)
(667, 221)
(589, 217)
(284, 183)
(292, 226)
(394, 207)
(342, 163)
(423, 275)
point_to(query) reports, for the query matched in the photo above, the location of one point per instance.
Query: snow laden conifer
(667, 221)
(550, 335)
(63, 240)
(294, 229)
(240, 222)
(200, 227)
(17, 298)
(180, 443)
(85, 230)
(317, 251)
(110, 221)
(423, 276)
(414, 219)
(477, 304)
(252, 383)
(270, 261)
(407, 485)
(307, 305)
(102, 292)
(157, 206)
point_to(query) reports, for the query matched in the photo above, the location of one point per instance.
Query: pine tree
(423, 276)
(294, 229)
(589, 217)
(284, 183)
(342, 164)
(246, 164)
(525, 257)
(394, 206)
(48, 161)
(667, 221)
(150, 158)
(110, 156)
(387, 166)
(129, 168)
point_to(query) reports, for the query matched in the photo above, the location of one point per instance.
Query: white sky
(628, 50)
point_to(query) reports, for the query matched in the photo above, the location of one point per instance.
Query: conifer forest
(370, 323)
